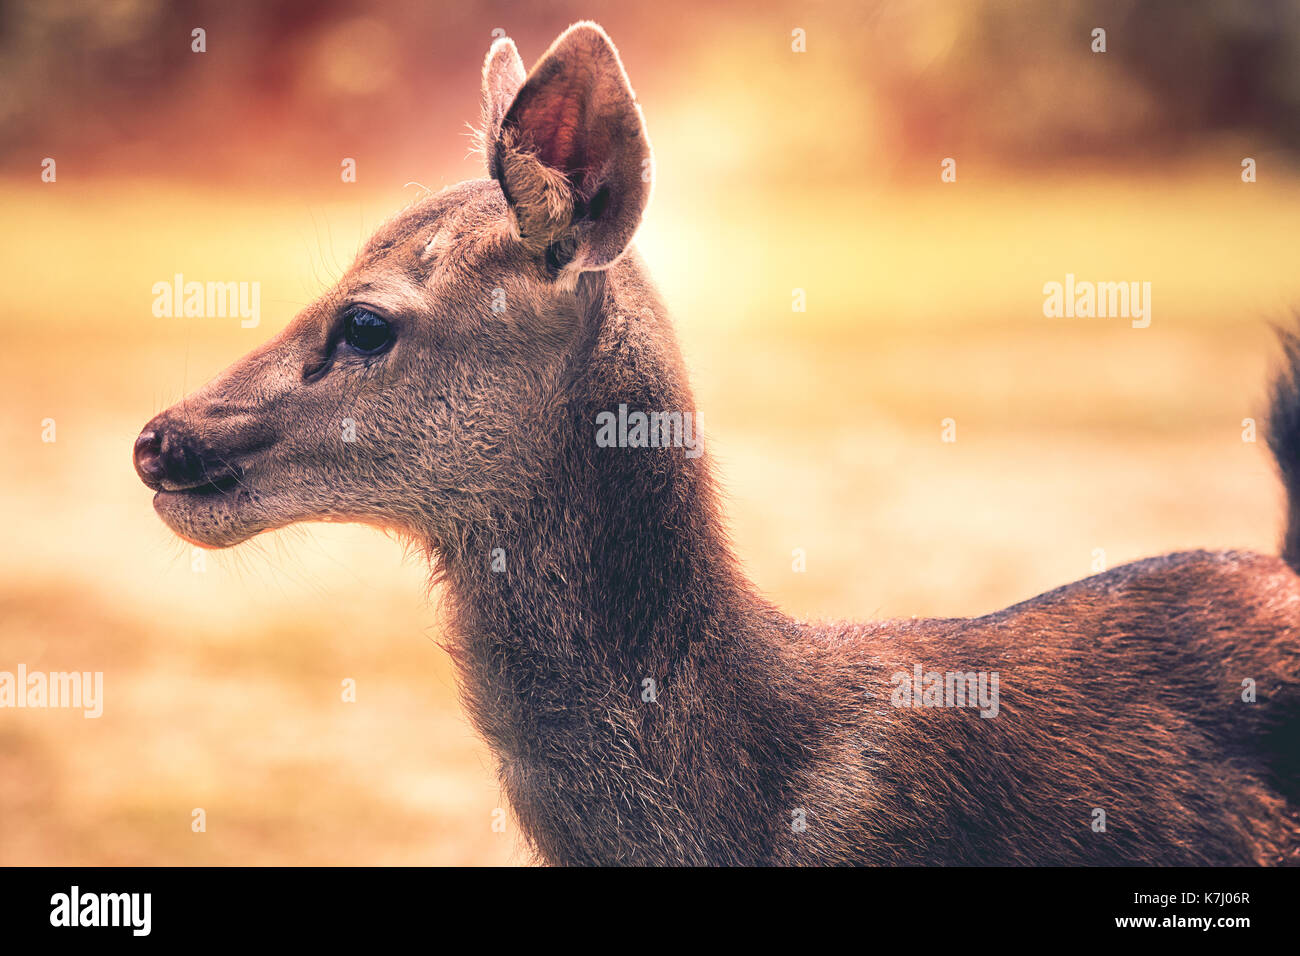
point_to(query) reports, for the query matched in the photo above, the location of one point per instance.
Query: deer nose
(166, 457)
(148, 458)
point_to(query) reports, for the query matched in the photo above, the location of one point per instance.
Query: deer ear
(503, 74)
(572, 156)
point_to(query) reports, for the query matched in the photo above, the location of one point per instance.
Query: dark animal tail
(1284, 439)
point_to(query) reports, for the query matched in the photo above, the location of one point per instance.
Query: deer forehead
(482, 222)
(392, 291)
(444, 234)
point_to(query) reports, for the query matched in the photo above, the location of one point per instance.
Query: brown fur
(475, 436)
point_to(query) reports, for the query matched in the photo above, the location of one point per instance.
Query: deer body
(647, 706)
(1120, 692)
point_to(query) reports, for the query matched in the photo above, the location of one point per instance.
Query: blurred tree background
(115, 84)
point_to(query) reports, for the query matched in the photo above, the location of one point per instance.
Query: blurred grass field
(222, 687)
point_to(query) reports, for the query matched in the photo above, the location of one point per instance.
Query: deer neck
(607, 612)
(617, 562)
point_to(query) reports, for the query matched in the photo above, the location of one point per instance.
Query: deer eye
(366, 332)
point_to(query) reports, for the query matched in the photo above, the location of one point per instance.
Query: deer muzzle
(171, 455)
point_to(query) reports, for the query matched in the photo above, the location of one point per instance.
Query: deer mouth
(220, 511)
(228, 480)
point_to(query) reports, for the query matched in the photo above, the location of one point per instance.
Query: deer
(644, 702)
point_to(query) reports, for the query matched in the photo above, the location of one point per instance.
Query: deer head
(423, 390)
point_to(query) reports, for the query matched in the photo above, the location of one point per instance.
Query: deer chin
(218, 515)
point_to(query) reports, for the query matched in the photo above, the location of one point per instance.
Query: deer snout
(169, 456)
(148, 458)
